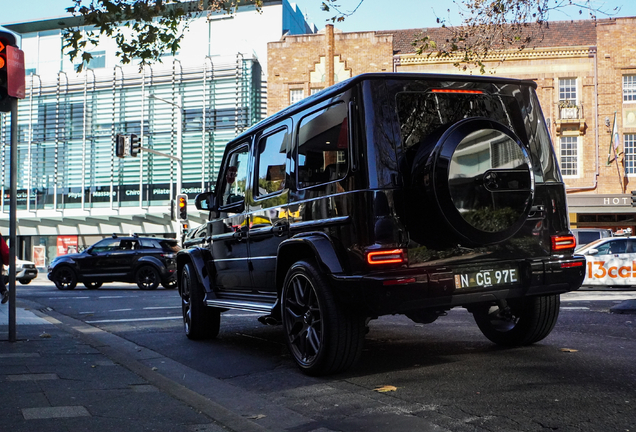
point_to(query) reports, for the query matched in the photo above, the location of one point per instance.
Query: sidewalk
(64, 375)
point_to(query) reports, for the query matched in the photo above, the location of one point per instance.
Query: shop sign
(619, 200)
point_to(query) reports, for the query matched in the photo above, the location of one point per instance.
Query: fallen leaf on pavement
(384, 389)
(45, 335)
(257, 416)
(569, 350)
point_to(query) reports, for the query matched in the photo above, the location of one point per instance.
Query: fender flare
(322, 249)
(198, 257)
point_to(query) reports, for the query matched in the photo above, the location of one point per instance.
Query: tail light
(563, 243)
(393, 256)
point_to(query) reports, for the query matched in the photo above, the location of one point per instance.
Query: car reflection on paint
(610, 262)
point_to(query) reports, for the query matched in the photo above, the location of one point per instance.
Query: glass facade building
(72, 189)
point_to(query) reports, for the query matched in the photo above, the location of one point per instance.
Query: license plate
(486, 278)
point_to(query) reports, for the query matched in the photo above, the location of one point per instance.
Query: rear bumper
(434, 288)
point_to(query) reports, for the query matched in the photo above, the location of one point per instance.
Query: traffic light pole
(12, 217)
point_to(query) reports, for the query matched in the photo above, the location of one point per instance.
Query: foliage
(497, 25)
(143, 30)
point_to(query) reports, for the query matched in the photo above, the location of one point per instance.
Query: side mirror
(592, 252)
(205, 201)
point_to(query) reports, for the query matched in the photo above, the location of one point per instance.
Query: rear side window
(172, 245)
(323, 146)
(272, 156)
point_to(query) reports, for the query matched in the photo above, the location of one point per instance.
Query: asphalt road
(446, 375)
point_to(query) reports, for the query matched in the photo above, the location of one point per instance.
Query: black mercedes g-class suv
(387, 194)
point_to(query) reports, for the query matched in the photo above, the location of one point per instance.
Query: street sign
(15, 72)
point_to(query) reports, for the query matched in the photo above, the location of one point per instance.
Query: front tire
(199, 321)
(65, 278)
(519, 322)
(147, 278)
(322, 335)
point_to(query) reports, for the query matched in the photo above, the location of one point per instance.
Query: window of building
(569, 156)
(629, 88)
(272, 155)
(323, 142)
(629, 144)
(296, 95)
(313, 91)
(567, 90)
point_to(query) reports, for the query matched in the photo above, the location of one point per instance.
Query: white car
(610, 261)
(25, 271)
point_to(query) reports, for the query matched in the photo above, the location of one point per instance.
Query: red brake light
(457, 91)
(560, 243)
(394, 256)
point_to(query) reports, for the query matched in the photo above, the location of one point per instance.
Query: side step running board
(265, 308)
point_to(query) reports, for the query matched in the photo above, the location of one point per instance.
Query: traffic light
(633, 198)
(122, 145)
(11, 71)
(182, 206)
(135, 145)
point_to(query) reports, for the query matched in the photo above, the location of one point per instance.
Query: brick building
(586, 77)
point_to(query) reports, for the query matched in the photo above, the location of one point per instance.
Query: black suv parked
(385, 194)
(146, 261)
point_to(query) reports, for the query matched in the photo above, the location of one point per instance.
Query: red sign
(15, 72)
(66, 244)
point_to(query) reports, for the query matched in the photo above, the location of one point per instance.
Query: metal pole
(12, 217)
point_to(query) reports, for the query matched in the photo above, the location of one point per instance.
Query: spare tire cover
(482, 180)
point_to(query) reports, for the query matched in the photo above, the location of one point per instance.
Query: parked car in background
(146, 261)
(588, 235)
(610, 261)
(25, 271)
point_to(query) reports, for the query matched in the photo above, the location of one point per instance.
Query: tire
(322, 335)
(147, 278)
(25, 281)
(171, 284)
(65, 278)
(523, 322)
(92, 285)
(486, 206)
(199, 321)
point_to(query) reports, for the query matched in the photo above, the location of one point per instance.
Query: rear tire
(25, 281)
(171, 284)
(199, 321)
(523, 322)
(65, 278)
(324, 337)
(92, 285)
(147, 278)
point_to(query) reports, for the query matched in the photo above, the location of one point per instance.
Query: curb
(133, 356)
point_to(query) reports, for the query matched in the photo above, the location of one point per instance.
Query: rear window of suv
(427, 109)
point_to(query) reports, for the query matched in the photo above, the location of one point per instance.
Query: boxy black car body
(385, 194)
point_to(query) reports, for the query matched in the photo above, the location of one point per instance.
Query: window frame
(566, 90)
(286, 126)
(247, 145)
(577, 160)
(630, 157)
(631, 92)
(296, 90)
(297, 144)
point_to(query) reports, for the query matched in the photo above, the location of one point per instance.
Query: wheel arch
(316, 246)
(198, 257)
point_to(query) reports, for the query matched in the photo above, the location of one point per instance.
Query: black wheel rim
(64, 278)
(147, 278)
(186, 309)
(303, 320)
